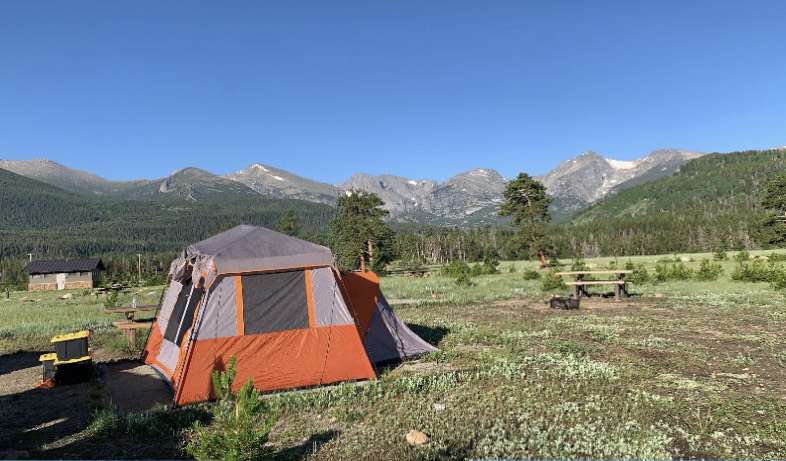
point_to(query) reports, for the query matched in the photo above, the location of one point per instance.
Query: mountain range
(467, 199)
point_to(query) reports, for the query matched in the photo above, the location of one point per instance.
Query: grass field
(679, 370)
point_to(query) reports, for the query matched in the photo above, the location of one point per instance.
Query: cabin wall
(73, 281)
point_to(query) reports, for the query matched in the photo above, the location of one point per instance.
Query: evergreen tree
(526, 202)
(289, 223)
(357, 228)
(773, 228)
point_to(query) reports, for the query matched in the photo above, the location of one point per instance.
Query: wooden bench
(580, 285)
(130, 325)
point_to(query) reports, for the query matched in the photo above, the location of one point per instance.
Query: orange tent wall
(285, 359)
(361, 290)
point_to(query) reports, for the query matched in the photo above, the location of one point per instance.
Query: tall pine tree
(357, 232)
(526, 202)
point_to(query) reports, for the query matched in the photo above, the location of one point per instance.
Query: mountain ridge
(465, 199)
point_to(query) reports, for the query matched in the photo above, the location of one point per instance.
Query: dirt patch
(136, 387)
(19, 372)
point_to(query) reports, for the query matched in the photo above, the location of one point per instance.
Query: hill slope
(585, 179)
(190, 184)
(712, 200)
(69, 179)
(52, 223)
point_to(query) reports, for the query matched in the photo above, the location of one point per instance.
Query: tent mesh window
(274, 302)
(183, 313)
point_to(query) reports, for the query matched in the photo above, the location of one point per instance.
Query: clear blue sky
(422, 89)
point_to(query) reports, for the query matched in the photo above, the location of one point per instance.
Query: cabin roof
(65, 265)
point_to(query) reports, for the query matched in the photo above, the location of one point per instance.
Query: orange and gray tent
(277, 304)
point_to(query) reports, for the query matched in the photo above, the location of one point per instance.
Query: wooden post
(576, 291)
(617, 291)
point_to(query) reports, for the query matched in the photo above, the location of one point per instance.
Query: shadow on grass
(307, 448)
(432, 335)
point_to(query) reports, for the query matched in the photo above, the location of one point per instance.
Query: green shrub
(578, 263)
(680, 271)
(742, 256)
(778, 279)
(720, 253)
(552, 282)
(777, 257)
(111, 299)
(531, 274)
(708, 271)
(241, 423)
(640, 274)
(464, 280)
(511, 269)
(661, 273)
(455, 269)
(756, 271)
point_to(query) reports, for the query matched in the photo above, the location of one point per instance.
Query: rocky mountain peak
(577, 182)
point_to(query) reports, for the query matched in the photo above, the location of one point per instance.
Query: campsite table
(580, 285)
(129, 325)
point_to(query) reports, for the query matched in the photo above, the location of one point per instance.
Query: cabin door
(61, 281)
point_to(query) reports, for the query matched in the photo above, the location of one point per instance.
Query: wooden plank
(594, 272)
(126, 309)
(133, 324)
(598, 282)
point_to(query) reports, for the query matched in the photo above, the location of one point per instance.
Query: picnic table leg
(132, 337)
(617, 290)
(624, 290)
(576, 291)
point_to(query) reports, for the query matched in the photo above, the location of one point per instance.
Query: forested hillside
(713, 200)
(52, 223)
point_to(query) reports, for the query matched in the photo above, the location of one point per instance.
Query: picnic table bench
(130, 325)
(580, 285)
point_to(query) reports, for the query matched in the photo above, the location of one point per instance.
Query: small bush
(756, 271)
(464, 280)
(578, 263)
(720, 253)
(680, 271)
(240, 428)
(455, 269)
(778, 279)
(742, 256)
(111, 299)
(777, 257)
(661, 273)
(708, 271)
(511, 269)
(640, 274)
(531, 274)
(552, 282)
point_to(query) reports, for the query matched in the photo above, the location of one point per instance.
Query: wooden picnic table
(130, 325)
(580, 285)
